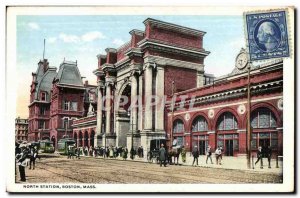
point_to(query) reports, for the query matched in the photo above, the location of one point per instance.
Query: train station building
(155, 86)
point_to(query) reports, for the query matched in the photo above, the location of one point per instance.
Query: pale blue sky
(81, 38)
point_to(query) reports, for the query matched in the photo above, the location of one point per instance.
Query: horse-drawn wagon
(153, 154)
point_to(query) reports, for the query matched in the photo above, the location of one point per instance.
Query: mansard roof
(40, 69)
(45, 83)
(69, 75)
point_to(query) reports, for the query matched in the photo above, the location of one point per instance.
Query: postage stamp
(267, 35)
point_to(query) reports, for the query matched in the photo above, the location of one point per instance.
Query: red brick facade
(227, 96)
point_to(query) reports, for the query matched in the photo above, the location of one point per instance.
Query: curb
(181, 164)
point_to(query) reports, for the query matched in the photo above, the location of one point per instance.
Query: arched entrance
(122, 118)
(199, 134)
(80, 138)
(264, 133)
(92, 138)
(227, 136)
(86, 139)
(178, 131)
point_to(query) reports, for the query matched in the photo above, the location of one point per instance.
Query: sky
(81, 38)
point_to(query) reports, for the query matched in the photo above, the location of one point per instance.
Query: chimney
(33, 77)
(86, 83)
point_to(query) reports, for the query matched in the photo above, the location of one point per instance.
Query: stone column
(108, 108)
(133, 119)
(140, 117)
(99, 114)
(159, 108)
(148, 96)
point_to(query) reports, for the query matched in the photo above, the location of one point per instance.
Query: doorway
(202, 146)
(229, 147)
(264, 143)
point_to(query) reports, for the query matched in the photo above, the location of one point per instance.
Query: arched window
(227, 121)
(199, 124)
(178, 126)
(263, 118)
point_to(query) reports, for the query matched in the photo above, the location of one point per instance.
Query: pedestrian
(208, 154)
(183, 154)
(21, 161)
(69, 151)
(162, 155)
(195, 153)
(86, 151)
(269, 155)
(259, 157)
(142, 152)
(125, 153)
(111, 152)
(77, 151)
(33, 156)
(218, 154)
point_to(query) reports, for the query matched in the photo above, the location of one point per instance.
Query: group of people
(105, 152)
(218, 154)
(25, 154)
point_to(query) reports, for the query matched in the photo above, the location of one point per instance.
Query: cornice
(174, 27)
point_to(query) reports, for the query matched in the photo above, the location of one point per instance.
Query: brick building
(21, 129)
(166, 57)
(57, 98)
(144, 66)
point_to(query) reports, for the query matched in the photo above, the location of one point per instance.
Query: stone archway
(80, 139)
(86, 139)
(122, 118)
(92, 137)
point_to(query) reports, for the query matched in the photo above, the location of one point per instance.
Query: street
(59, 169)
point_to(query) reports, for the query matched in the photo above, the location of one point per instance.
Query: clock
(241, 60)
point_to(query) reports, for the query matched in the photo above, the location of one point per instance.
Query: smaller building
(21, 131)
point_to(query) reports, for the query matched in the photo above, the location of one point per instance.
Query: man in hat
(33, 156)
(259, 156)
(162, 155)
(208, 154)
(195, 153)
(21, 161)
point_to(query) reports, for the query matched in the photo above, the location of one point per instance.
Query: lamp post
(241, 62)
(248, 121)
(131, 124)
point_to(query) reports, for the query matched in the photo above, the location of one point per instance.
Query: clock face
(241, 61)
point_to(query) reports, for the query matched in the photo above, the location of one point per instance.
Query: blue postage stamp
(267, 35)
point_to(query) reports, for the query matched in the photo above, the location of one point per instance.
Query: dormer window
(43, 96)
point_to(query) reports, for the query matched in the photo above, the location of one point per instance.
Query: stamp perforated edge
(287, 18)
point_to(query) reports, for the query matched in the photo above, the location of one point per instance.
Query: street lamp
(131, 124)
(249, 120)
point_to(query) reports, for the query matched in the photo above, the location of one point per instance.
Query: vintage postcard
(150, 99)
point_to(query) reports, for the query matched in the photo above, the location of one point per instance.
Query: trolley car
(46, 146)
(63, 145)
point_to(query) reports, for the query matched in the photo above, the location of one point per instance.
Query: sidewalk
(233, 163)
